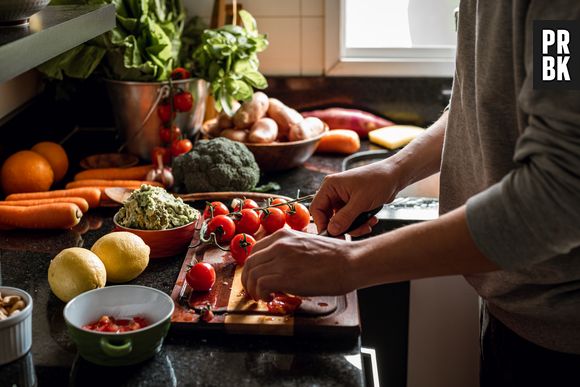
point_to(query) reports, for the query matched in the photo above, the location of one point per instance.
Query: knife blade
(361, 219)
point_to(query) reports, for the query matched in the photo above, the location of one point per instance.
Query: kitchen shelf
(51, 32)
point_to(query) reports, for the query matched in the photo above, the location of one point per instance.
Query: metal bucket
(134, 108)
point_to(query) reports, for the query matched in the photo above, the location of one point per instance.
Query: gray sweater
(513, 154)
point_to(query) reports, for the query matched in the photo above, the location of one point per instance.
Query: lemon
(74, 271)
(124, 254)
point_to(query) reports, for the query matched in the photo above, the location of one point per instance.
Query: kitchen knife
(361, 219)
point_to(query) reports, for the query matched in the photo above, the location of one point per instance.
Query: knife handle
(361, 219)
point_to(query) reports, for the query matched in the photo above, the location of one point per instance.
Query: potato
(224, 121)
(251, 111)
(239, 135)
(284, 117)
(213, 130)
(264, 131)
(308, 128)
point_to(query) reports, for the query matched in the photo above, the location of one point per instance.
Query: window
(390, 37)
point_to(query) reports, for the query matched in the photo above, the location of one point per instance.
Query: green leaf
(256, 79)
(248, 21)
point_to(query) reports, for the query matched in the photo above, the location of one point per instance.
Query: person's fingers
(266, 285)
(268, 241)
(343, 218)
(254, 277)
(321, 208)
(365, 228)
(256, 259)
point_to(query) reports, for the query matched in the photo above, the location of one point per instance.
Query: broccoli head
(216, 165)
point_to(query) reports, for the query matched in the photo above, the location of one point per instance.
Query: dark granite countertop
(203, 360)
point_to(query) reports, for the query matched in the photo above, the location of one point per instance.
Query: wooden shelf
(51, 32)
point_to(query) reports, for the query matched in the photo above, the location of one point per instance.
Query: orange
(26, 171)
(56, 157)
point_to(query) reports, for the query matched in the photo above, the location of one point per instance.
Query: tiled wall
(295, 30)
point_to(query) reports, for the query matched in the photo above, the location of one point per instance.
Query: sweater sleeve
(533, 213)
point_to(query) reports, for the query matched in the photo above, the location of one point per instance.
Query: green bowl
(119, 349)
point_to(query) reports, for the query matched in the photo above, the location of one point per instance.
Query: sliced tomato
(283, 304)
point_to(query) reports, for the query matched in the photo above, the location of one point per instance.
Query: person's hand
(343, 196)
(298, 263)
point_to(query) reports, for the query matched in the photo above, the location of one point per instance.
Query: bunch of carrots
(63, 209)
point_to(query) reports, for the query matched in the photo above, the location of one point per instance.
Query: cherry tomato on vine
(298, 216)
(168, 136)
(223, 227)
(218, 209)
(272, 219)
(164, 112)
(165, 155)
(201, 277)
(180, 73)
(180, 147)
(183, 101)
(248, 222)
(283, 208)
(246, 203)
(241, 246)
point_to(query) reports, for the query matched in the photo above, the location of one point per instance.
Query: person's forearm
(439, 247)
(422, 157)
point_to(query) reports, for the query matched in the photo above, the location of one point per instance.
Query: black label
(557, 54)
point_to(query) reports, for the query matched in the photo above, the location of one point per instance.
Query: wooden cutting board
(237, 314)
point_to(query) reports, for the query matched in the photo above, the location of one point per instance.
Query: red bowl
(163, 243)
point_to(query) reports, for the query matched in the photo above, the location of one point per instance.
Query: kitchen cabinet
(51, 32)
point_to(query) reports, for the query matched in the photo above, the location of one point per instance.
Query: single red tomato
(201, 277)
(298, 216)
(183, 101)
(218, 209)
(283, 208)
(272, 219)
(246, 203)
(180, 147)
(241, 246)
(164, 112)
(163, 152)
(248, 222)
(168, 135)
(223, 227)
(180, 73)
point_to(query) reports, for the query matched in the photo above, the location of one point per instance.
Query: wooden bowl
(279, 156)
(163, 243)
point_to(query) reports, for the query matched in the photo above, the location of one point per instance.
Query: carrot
(44, 216)
(111, 183)
(343, 141)
(80, 202)
(131, 173)
(91, 195)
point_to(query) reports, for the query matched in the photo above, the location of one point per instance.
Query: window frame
(432, 61)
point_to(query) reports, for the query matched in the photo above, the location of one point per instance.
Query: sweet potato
(251, 111)
(357, 120)
(308, 128)
(284, 117)
(239, 135)
(264, 131)
(344, 141)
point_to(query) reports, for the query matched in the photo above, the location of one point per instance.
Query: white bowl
(16, 331)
